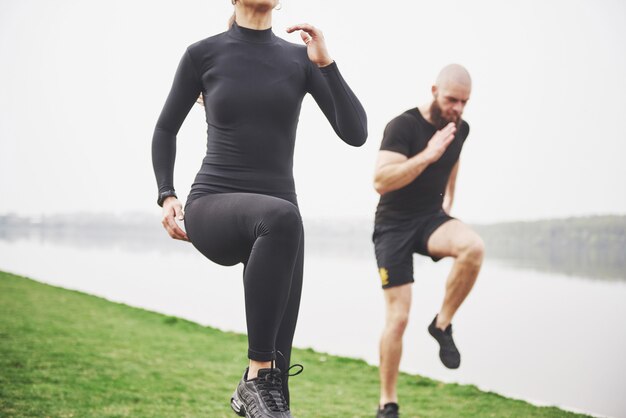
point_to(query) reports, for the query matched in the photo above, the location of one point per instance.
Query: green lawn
(68, 354)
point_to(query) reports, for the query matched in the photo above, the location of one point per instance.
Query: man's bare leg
(398, 305)
(455, 239)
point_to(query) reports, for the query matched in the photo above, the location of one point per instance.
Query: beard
(439, 119)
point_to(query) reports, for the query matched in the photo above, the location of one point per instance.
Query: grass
(68, 354)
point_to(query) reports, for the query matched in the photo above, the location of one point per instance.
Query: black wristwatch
(164, 195)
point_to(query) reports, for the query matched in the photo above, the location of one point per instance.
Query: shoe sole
(237, 406)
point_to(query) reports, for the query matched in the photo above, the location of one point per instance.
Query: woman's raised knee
(283, 218)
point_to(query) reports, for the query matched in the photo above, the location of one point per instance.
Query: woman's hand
(200, 100)
(315, 43)
(172, 210)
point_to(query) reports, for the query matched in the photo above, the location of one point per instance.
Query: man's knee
(473, 251)
(397, 321)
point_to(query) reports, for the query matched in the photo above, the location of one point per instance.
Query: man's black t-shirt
(408, 134)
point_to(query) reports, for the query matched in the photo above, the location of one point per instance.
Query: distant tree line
(589, 246)
(594, 246)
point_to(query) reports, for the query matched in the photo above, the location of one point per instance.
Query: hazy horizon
(138, 215)
(84, 83)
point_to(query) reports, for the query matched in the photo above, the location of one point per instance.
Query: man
(415, 175)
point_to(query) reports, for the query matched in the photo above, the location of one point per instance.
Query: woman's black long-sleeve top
(253, 83)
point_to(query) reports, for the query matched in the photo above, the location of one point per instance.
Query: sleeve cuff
(330, 68)
(164, 195)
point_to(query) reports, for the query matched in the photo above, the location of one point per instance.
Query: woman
(242, 207)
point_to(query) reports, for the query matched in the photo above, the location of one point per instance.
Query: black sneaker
(390, 410)
(261, 397)
(448, 353)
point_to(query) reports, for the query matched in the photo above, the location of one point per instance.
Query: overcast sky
(83, 82)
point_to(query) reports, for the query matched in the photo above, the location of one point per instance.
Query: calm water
(543, 337)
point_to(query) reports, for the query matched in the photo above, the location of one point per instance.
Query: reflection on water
(547, 338)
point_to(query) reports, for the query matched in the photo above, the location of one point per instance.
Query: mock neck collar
(259, 36)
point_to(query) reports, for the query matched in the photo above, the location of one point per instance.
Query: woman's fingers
(170, 213)
(174, 230)
(305, 37)
(310, 29)
(302, 26)
(200, 99)
(178, 212)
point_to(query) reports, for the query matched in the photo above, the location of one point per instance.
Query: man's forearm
(395, 176)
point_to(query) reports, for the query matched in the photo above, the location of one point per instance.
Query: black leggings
(265, 234)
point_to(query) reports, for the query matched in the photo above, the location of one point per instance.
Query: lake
(547, 338)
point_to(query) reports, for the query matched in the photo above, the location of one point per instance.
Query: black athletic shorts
(395, 243)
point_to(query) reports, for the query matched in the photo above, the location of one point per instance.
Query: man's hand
(172, 210)
(438, 144)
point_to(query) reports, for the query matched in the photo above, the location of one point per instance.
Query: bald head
(454, 74)
(450, 95)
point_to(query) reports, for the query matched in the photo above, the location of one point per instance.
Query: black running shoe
(390, 410)
(261, 397)
(448, 353)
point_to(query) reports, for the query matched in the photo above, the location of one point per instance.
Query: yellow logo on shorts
(384, 275)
